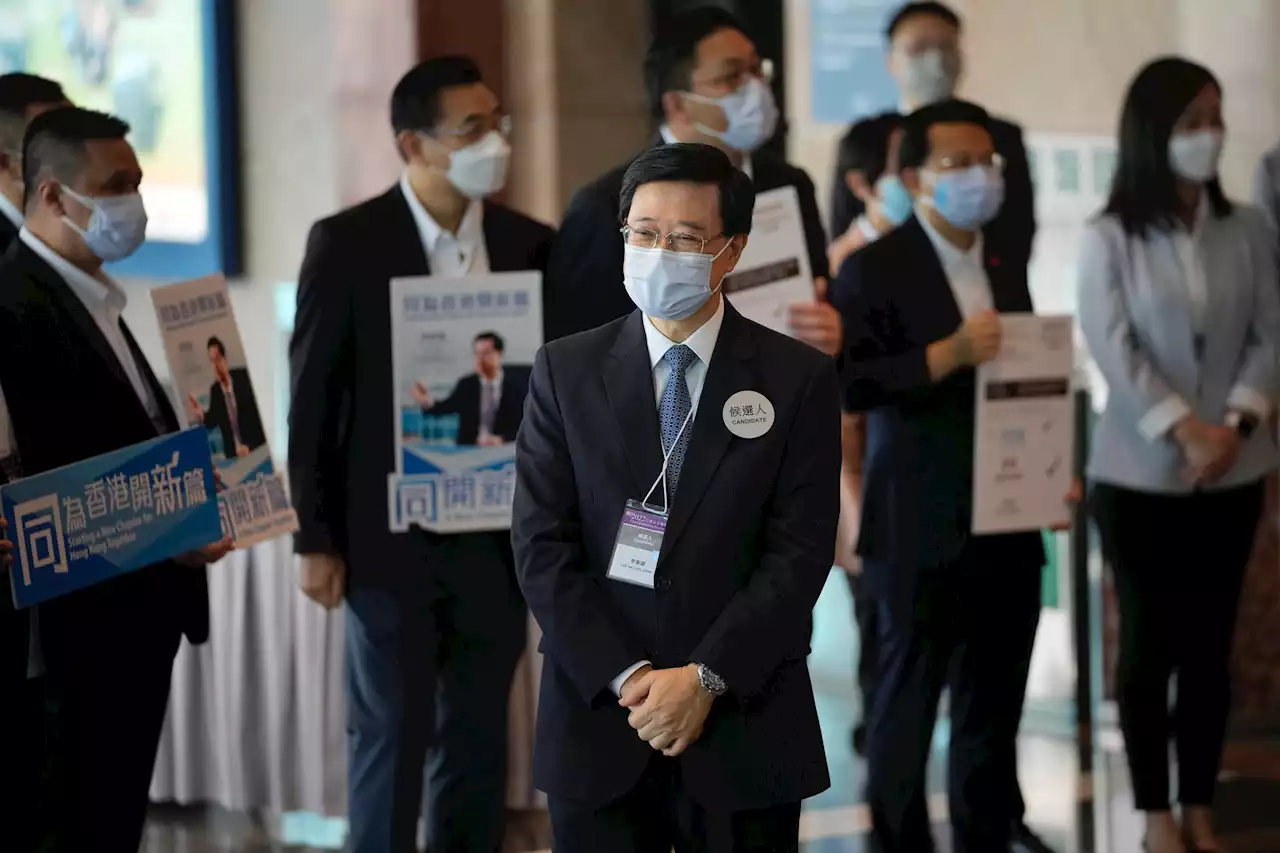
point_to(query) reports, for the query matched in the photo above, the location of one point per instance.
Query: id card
(639, 542)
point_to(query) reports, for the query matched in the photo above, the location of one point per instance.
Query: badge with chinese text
(639, 542)
(748, 414)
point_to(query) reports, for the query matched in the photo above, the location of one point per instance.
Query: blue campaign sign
(850, 78)
(85, 523)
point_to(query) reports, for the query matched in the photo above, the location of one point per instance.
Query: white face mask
(752, 114)
(929, 77)
(480, 169)
(117, 224)
(1195, 156)
(668, 285)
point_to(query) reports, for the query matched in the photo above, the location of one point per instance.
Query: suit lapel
(936, 296)
(728, 373)
(411, 256)
(157, 390)
(504, 254)
(628, 383)
(1006, 296)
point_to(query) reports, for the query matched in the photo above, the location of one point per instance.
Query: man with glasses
(922, 310)
(706, 84)
(435, 624)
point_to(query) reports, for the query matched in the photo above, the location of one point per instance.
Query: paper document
(774, 270)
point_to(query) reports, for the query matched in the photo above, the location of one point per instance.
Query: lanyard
(666, 457)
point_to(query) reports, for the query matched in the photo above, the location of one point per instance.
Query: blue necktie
(673, 409)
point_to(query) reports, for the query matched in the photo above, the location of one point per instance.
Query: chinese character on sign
(429, 303)
(504, 299)
(241, 511)
(468, 302)
(276, 495)
(224, 516)
(193, 486)
(520, 298)
(221, 299)
(496, 493)
(184, 309)
(259, 503)
(74, 508)
(412, 304)
(484, 299)
(459, 492)
(735, 411)
(118, 490)
(448, 303)
(168, 498)
(140, 489)
(95, 495)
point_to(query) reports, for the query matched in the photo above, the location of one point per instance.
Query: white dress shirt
(703, 344)
(104, 300)
(669, 138)
(11, 212)
(450, 254)
(966, 271)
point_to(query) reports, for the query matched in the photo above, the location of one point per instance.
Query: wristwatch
(1243, 423)
(711, 682)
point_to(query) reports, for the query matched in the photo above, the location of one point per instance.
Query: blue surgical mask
(967, 198)
(751, 112)
(668, 285)
(117, 224)
(895, 199)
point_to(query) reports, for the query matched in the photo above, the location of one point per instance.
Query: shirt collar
(702, 341)
(670, 138)
(95, 291)
(495, 382)
(951, 254)
(11, 212)
(470, 230)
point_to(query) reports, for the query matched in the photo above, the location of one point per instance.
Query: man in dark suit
(921, 307)
(676, 705)
(108, 649)
(428, 616)
(233, 408)
(490, 402)
(22, 98)
(706, 84)
(925, 59)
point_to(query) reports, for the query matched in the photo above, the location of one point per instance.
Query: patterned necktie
(673, 410)
(488, 407)
(233, 414)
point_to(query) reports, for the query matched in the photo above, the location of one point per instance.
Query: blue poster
(850, 78)
(85, 523)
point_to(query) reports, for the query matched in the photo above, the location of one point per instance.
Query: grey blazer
(1139, 300)
(1266, 186)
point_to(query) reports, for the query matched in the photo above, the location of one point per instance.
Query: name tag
(638, 544)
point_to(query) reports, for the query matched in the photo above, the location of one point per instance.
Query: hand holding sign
(817, 323)
(208, 554)
(6, 547)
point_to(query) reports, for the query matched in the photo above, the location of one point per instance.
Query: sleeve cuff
(1162, 417)
(616, 684)
(1245, 399)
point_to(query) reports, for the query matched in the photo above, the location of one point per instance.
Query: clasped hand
(1209, 450)
(668, 707)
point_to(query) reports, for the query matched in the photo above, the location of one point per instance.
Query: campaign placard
(208, 366)
(773, 272)
(462, 352)
(85, 523)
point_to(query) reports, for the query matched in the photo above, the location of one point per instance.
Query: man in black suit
(676, 705)
(490, 402)
(706, 84)
(925, 59)
(427, 616)
(233, 408)
(921, 307)
(109, 648)
(22, 98)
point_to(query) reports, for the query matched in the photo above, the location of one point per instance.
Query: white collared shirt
(703, 344)
(1187, 247)
(449, 254)
(966, 270)
(11, 212)
(669, 138)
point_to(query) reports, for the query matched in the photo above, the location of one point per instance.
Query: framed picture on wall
(167, 67)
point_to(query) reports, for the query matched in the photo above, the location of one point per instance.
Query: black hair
(911, 10)
(1144, 189)
(415, 102)
(18, 93)
(865, 146)
(695, 163)
(56, 144)
(669, 62)
(915, 148)
(493, 337)
(216, 341)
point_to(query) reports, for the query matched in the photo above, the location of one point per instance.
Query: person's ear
(673, 107)
(50, 194)
(736, 247)
(856, 181)
(911, 180)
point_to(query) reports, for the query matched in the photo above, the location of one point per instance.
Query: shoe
(1023, 840)
(860, 740)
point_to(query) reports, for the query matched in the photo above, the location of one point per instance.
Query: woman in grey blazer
(1179, 305)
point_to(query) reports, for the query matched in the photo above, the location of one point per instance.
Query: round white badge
(748, 414)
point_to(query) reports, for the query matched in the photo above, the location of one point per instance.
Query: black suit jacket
(584, 277)
(465, 403)
(341, 445)
(8, 234)
(746, 551)
(43, 322)
(218, 417)
(917, 492)
(1013, 229)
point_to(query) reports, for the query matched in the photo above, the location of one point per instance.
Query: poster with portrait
(211, 381)
(462, 352)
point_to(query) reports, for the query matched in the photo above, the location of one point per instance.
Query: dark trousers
(969, 627)
(864, 617)
(658, 815)
(429, 666)
(1178, 563)
(22, 725)
(110, 664)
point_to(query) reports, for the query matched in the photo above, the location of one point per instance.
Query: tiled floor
(1086, 813)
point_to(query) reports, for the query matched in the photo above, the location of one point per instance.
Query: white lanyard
(666, 457)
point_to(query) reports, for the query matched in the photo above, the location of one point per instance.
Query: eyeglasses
(476, 129)
(731, 81)
(964, 161)
(647, 238)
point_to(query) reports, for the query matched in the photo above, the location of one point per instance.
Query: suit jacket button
(664, 583)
